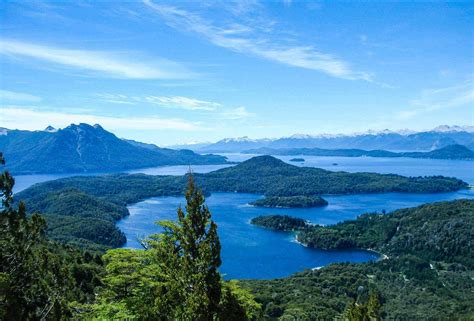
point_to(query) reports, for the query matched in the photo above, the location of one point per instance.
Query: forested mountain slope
(85, 148)
(428, 275)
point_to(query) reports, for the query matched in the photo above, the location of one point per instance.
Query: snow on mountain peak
(454, 128)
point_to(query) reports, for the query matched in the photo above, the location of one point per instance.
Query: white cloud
(439, 99)
(117, 99)
(182, 102)
(34, 119)
(179, 102)
(99, 62)
(236, 113)
(236, 37)
(6, 95)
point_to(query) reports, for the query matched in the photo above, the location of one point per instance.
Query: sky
(181, 72)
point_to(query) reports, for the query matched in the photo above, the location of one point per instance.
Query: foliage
(38, 278)
(290, 201)
(175, 277)
(91, 205)
(439, 231)
(429, 274)
(280, 222)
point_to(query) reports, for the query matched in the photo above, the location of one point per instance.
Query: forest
(290, 201)
(279, 222)
(426, 275)
(100, 201)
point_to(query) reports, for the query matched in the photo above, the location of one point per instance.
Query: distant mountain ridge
(86, 148)
(449, 152)
(404, 140)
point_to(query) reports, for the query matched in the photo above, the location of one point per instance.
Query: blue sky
(177, 72)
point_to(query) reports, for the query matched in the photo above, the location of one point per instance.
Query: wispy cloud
(183, 102)
(439, 99)
(6, 95)
(179, 102)
(238, 37)
(236, 113)
(99, 62)
(34, 119)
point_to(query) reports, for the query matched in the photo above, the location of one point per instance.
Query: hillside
(449, 152)
(84, 148)
(428, 275)
(439, 231)
(385, 140)
(260, 175)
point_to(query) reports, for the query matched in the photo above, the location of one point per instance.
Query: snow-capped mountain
(449, 129)
(397, 140)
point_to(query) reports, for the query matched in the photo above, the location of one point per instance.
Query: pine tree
(31, 278)
(191, 249)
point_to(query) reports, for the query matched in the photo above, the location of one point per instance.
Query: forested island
(91, 223)
(290, 201)
(297, 159)
(455, 151)
(280, 222)
(430, 262)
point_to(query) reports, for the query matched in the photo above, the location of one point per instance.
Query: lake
(405, 166)
(252, 252)
(402, 166)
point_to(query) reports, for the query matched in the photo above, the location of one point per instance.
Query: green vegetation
(429, 274)
(455, 151)
(280, 222)
(39, 279)
(82, 210)
(290, 201)
(297, 159)
(439, 231)
(175, 278)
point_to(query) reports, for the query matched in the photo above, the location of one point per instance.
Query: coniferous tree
(32, 280)
(192, 248)
(176, 277)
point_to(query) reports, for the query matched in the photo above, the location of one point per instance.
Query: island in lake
(297, 159)
(99, 201)
(291, 201)
(280, 222)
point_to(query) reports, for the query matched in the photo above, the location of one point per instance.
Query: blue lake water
(252, 252)
(405, 166)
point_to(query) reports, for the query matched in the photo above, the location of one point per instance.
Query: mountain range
(405, 140)
(86, 148)
(449, 152)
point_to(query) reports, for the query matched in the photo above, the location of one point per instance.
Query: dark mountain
(85, 148)
(386, 140)
(448, 152)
